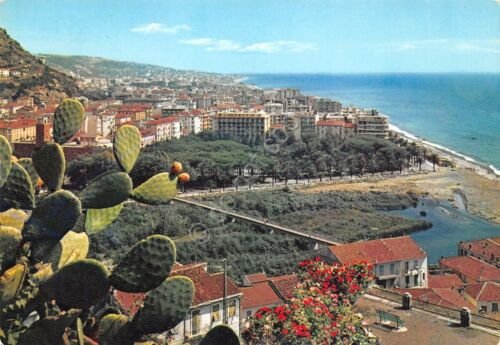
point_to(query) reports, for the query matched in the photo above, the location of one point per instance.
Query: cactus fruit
(145, 266)
(53, 216)
(176, 168)
(11, 282)
(5, 160)
(77, 285)
(165, 306)
(72, 247)
(107, 190)
(126, 146)
(159, 189)
(9, 241)
(50, 165)
(184, 177)
(14, 218)
(17, 191)
(97, 220)
(220, 335)
(68, 118)
(110, 328)
(27, 164)
(49, 331)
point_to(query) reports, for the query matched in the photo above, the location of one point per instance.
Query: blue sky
(301, 36)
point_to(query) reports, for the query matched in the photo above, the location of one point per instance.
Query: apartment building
(487, 250)
(242, 124)
(274, 108)
(326, 105)
(303, 125)
(340, 129)
(397, 262)
(18, 129)
(371, 123)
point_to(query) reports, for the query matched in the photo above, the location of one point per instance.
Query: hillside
(87, 66)
(29, 76)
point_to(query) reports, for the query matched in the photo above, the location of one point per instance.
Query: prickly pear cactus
(5, 161)
(17, 191)
(14, 218)
(111, 328)
(11, 282)
(159, 189)
(54, 215)
(220, 335)
(107, 190)
(68, 118)
(97, 220)
(78, 285)
(27, 164)
(72, 247)
(165, 306)
(145, 266)
(50, 164)
(126, 146)
(9, 242)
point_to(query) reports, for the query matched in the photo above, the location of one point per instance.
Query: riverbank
(482, 194)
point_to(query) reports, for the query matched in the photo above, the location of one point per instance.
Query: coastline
(462, 161)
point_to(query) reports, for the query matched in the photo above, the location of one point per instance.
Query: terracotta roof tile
(449, 298)
(256, 278)
(379, 251)
(444, 281)
(285, 285)
(484, 292)
(471, 267)
(259, 294)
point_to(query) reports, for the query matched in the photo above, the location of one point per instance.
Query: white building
(397, 262)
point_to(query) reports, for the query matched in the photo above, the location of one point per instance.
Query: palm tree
(434, 158)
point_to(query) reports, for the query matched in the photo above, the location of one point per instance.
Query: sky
(267, 36)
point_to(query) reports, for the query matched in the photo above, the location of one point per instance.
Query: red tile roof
(256, 278)
(379, 251)
(130, 302)
(472, 268)
(449, 298)
(258, 295)
(208, 287)
(484, 292)
(284, 285)
(444, 281)
(17, 123)
(488, 248)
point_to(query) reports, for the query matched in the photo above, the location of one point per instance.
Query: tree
(434, 159)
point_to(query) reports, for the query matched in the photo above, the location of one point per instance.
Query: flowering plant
(320, 311)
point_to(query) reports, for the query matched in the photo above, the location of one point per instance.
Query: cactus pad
(126, 146)
(72, 247)
(145, 266)
(68, 118)
(159, 189)
(5, 161)
(111, 328)
(27, 164)
(220, 335)
(14, 218)
(53, 216)
(50, 330)
(77, 285)
(165, 306)
(97, 220)
(11, 282)
(50, 164)
(9, 242)
(107, 190)
(17, 191)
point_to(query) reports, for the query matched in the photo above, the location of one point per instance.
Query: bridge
(263, 223)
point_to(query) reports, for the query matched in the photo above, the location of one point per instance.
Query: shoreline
(462, 161)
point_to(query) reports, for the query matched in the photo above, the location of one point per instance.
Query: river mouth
(450, 226)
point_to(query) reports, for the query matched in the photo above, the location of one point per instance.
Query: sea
(458, 112)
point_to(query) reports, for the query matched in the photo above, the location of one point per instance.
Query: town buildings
(397, 262)
(487, 250)
(242, 124)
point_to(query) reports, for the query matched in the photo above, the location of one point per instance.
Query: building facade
(242, 124)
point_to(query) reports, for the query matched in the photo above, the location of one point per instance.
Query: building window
(415, 264)
(195, 322)
(216, 313)
(415, 280)
(381, 270)
(407, 266)
(484, 309)
(249, 313)
(392, 268)
(494, 307)
(231, 308)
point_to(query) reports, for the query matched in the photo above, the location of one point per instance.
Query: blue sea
(458, 111)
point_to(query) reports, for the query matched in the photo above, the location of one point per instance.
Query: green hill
(29, 76)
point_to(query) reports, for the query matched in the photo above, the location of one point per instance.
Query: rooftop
(379, 251)
(473, 268)
(484, 292)
(444, 281)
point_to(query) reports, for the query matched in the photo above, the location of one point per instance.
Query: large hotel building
(242, 124)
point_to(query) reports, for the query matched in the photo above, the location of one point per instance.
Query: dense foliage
(214, 161)
(320, 311)
(208, 236)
